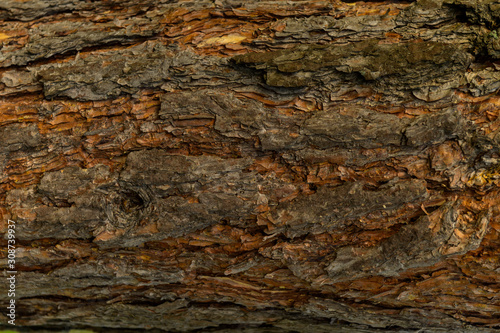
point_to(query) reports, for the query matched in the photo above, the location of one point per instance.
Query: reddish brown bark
(305, 165)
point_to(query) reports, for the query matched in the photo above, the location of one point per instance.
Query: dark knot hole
(131, 201)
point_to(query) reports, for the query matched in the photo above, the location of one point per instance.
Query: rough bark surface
(233, 165)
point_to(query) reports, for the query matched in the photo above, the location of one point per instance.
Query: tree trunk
(228, 165)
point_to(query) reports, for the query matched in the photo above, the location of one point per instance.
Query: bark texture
(232, 165)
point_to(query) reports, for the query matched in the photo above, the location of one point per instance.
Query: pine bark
(239, 165)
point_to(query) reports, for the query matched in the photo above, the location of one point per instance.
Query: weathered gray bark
(224, 166)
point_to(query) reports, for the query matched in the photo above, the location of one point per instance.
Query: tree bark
(227, 166)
